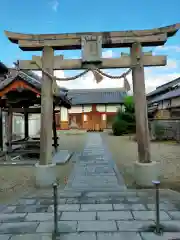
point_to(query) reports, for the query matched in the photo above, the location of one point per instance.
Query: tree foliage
(125, 120)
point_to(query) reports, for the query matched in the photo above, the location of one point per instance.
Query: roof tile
(90, 96)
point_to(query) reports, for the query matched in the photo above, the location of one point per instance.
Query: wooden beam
(76, 64)
(29, 110)
(107, 42)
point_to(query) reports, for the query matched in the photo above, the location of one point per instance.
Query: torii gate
(91, 44)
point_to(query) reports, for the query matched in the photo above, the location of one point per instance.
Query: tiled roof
(168, 95)
(35, 81)
(24, 76)
(164, 87)
(97, 96)
(3, 68)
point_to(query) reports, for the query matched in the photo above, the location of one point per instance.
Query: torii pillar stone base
(45, 175)
(145, 171)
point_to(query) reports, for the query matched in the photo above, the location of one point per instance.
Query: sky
(67, 16)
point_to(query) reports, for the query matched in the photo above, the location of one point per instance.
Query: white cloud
(108, 54)
(54, 5)
(168, 48)
(171, 64)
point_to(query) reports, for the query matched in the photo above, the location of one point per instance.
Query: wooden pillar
(46, 108)
(142, 131)
(54, 130)
(1, 130)
(9, 129)
(26, 123)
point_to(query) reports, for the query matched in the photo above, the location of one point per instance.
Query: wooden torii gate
(91, 44)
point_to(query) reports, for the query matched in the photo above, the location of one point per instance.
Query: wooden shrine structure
(20, 92)
(91, 45)
(3, 73)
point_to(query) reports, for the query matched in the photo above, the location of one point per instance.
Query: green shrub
(124, 122)
(131, 127)
(119, 127)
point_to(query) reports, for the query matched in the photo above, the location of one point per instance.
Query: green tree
(125, 120)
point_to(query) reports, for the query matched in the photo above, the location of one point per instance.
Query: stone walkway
(95, 170)
(119, 214)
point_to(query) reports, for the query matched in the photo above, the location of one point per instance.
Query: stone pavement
(95, 170)
(119, 214)
(96, 216)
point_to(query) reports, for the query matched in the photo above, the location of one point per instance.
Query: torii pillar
(145, 170)
(45, 170)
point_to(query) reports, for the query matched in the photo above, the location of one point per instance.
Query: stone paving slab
(118, 236)
(149, 215)
(78, 236)
(96, 226)
(61, 157)
(114, 215)
(78, 216)
(37, 217)
(5, 237)
(95, 169)
(13, 217)
(175, 215)
(165, 236)
(133, 226)
(18, 227)
(124, 206)
(96, 207)
(32, 237)
(66, 207)
(63, 226)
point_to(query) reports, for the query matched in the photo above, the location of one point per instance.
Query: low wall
(161, 129)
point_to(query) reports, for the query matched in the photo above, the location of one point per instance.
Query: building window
(85, 117)
(104, 117)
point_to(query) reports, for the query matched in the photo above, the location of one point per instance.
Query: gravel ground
(124, 151)
(16, 181)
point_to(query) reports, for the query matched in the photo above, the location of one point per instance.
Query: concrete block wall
(165, 129)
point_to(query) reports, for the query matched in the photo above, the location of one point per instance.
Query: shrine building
(92, 109)
(164, 101)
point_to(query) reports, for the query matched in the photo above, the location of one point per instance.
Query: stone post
(145, 170)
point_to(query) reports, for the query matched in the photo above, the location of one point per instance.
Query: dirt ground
(167, 154)
(16, 181)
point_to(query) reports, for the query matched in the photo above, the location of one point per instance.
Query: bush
(119, 127)
(131, 128)
(159, 131)
(125, 120)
